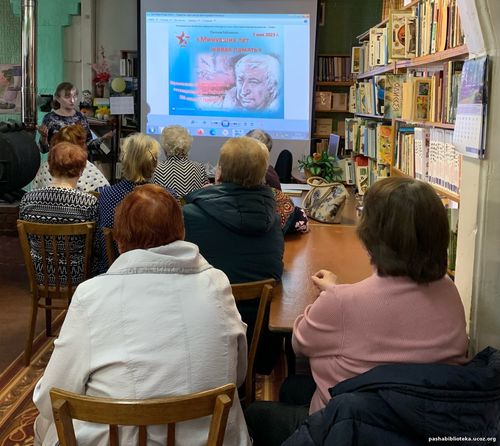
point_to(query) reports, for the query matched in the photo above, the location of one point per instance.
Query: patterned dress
(109, 198)
(292, 218)
(91, 178)
(180, 174)
(58, 205)
(55, 122)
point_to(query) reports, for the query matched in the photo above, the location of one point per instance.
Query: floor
(15, 301)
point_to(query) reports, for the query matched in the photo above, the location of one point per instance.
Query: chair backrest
(283, 166)
(94, 193)
(110, 245)
(262, 290)
(57, 256)
(67, 406)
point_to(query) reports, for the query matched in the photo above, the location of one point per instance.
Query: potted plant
(102, 74)
(321, 165)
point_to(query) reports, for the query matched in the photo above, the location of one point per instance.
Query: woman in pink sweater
(408, 311)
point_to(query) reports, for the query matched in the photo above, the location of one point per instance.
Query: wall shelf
(440, 190)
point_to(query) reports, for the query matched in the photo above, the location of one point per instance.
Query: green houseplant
(321, 165)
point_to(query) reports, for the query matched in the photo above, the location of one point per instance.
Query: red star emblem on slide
(183, 39)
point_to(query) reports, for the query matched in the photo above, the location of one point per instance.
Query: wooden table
(332, 247)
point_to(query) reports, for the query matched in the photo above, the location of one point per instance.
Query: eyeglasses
(153, 158)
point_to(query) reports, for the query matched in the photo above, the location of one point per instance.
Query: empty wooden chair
(57, 258)
(261, 290)
(67, 406)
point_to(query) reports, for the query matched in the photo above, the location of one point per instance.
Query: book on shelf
(323, 100)
(341, 127)
(352, 98)
(339, 102)
(334, 68)
(384, 144)
(377, 46)
(323, 126)
(421, 99)
(393, 96)
(379, 94)
(362, 174)
(421, 147)
(351, 134)
(321, 145)
(401, 35)
(404, 150)
(356, 59)
(348, 171)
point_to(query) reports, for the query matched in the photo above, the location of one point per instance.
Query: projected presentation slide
(224, 74)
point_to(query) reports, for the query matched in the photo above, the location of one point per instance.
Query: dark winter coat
(411, 404)
(237, 230)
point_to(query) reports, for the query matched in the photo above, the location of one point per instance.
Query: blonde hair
(139, 157)
(176, 140)
(243, 161)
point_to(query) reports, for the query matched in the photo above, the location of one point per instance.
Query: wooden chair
(110, 245)
(94, 193)
(142, 413)
(54, 254)
(261, 289)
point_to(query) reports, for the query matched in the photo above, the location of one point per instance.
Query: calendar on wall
(470, 125)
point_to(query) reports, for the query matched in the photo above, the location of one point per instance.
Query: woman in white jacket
(160, 322)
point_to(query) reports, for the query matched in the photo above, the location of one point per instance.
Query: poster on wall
(10, 88)
(470, 124)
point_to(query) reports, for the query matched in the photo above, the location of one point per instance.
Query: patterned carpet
(17, 412)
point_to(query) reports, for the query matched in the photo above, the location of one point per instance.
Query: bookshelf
(333, 79)
(417, 83)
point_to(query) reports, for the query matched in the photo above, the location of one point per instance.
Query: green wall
(52, 17)
(344, 20)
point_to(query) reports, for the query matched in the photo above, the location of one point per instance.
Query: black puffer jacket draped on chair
(411, 404)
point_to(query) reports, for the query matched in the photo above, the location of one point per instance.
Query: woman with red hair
(161, 322)
(60, 201)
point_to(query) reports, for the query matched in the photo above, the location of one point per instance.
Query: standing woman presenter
(62, 115)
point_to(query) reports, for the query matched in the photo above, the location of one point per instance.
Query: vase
(99, 90)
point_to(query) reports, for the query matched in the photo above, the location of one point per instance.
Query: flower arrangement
(321, 165)
(101, 69)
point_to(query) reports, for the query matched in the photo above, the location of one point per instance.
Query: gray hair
(262, 136)
(176, 140)
(269, 63)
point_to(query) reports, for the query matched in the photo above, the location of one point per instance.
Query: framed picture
(10, 88)
(322, 11)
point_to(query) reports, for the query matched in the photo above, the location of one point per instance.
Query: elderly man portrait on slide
(257, 84)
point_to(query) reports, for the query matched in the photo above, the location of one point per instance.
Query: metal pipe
(28, 63)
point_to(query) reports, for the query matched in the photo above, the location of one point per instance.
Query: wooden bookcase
(421, 129)
(431, 64)
(333, 79)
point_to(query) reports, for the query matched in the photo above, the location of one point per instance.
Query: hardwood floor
(15, 301)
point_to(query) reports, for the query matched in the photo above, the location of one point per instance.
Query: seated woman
(91, 178)
(408, 311)
(236, 226)
(168, 326)
(139, 157)
(178, 172)
(272, 178)
(292, 218)
(60, 201)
